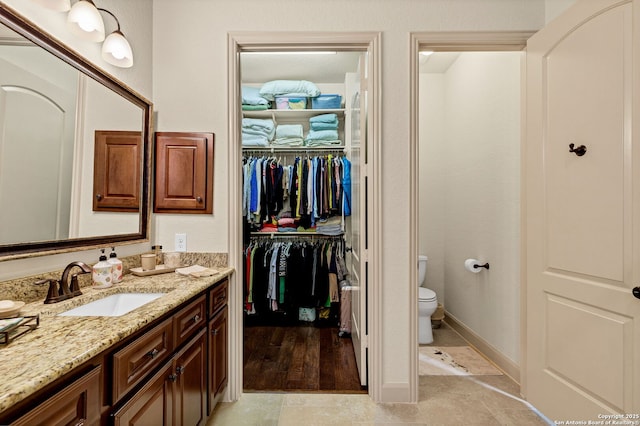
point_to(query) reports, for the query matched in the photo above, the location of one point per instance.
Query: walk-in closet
(300, 205)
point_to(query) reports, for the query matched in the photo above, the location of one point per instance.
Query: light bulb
(85, 21)
(116, 50)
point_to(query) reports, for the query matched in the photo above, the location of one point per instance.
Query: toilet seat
(426, 295)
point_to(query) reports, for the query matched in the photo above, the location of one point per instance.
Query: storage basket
(326, 102)
(291, 102)
(307, 314)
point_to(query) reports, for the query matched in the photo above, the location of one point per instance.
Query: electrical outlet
(181, 242)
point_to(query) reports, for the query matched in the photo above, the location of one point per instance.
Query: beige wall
(554, 8)
(470, 192)
(190, 89)
(136, 23)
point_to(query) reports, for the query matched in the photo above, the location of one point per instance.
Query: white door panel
(356, 223)
(582, 353)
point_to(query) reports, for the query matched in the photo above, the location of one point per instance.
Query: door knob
(636, 292)
(579, 151)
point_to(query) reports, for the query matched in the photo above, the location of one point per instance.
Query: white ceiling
(321, 68)
(317, 68)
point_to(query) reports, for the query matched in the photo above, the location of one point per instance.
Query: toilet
(427, 305)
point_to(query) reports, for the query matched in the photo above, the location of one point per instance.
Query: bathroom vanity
(164, 362)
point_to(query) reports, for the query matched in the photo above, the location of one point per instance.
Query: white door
(356, 103)
(36, 136)
(583, 213)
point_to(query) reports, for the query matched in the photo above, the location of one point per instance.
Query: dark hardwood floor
(299, 358)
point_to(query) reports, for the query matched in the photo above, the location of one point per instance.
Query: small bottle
(157, 250)
(102, 273)
(116, 265)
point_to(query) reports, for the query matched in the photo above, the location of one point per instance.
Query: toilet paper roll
(468, 265)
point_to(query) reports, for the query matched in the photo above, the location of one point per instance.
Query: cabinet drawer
(218, 297)
(189, 320)
(132, 363)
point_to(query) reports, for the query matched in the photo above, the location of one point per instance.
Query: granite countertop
(60, 343)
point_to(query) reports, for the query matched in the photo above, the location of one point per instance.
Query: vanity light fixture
(57, 5)
(116, 50)
(84, 20)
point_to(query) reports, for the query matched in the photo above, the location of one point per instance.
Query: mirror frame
(33, 33)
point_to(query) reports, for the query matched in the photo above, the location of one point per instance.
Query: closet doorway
(303, 225)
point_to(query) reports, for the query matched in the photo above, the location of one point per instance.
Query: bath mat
(454, 361)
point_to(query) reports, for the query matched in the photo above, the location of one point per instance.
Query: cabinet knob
(173, 377)
(196, 318)
(153, 353)
(98, 197)
(199, 199)
(180, 369)
(215, 331)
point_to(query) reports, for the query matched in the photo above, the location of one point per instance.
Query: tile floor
(443, 400)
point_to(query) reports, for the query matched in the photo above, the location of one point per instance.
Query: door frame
(254, 41)
(455, 42)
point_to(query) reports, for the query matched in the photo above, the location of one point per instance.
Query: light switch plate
(181, 242)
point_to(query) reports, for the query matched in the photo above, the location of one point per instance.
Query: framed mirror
(53, 103)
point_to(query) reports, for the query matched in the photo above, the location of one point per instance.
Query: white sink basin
(112, 306)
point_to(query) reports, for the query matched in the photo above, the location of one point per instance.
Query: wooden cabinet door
(191, 386)
(116, 171)
(77, 404)
(218, 361)
(184, 172)
(152, 405)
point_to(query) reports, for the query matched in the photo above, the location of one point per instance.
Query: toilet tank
(422, 269)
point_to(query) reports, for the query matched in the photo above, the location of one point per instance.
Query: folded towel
(254, 140)
(282, 87)
(197, 271)
(255, 107)
(324, 126)
(324, 118)
(321, 142)
(289, 131)
(251, 96)
(260, 127)
(328, 135)
(288, 142)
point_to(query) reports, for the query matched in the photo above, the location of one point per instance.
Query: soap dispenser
(102, 273)
(116, 265)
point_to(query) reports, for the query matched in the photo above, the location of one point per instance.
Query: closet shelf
(290, 113)
(293, 234)
(301, 149)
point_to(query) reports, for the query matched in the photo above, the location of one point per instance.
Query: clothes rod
(302, 149)
(274, 235)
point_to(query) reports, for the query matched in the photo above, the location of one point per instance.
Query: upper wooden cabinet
(183, 172)
(116, 171)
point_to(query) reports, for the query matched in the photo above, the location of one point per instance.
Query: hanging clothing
(309, 190)
(281, 277)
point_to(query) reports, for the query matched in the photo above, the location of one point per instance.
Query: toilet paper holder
(476, 266)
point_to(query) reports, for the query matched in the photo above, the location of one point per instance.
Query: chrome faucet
(62, 289)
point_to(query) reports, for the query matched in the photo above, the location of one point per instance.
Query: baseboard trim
(395, 392)
(505, 364)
